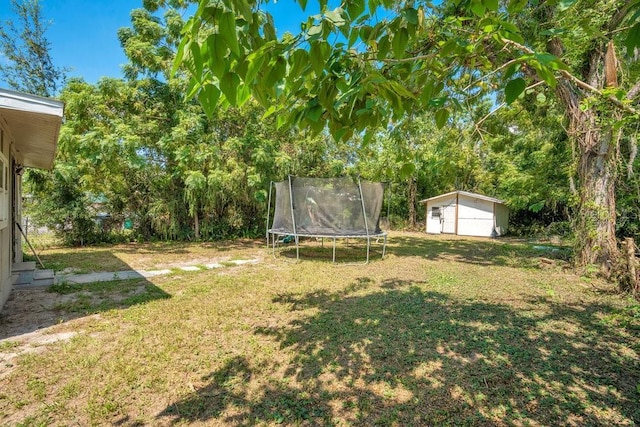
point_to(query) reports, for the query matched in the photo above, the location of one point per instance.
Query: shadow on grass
(498, 252)
(405, 356)
(81, 260)
(471, 250)
(347, 251)
(29, 309)
(184, 247)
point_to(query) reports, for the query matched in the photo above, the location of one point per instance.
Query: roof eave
(34, 126)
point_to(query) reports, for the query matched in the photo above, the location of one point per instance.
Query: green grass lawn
(443, 331)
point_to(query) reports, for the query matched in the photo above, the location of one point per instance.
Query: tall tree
(29, 66)
(365, 63)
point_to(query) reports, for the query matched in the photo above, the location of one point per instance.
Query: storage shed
(466, 214)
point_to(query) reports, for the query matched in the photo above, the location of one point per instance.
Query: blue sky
(83, 33)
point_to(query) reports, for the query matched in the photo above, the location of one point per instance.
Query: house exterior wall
(475, 216)
(6, 220)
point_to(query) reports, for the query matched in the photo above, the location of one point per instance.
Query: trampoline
(331, 208)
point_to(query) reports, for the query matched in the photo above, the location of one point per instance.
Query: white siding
(466, 214)
(502, 219)
(5, 228)
(449, 217)
(447, 221)
(475, 217)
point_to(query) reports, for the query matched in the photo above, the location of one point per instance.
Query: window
(435, 212)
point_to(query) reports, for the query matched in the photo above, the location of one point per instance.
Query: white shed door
(475, 217)
(449, 219)
(433, 219)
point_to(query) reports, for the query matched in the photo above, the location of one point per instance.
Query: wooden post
(630, 247)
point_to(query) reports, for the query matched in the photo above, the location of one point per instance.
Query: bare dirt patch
(28, 324)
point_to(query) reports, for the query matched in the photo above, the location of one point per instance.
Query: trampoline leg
(273, 243)
(368, 248)
(297, 248)
(334, 250)
(384, 246)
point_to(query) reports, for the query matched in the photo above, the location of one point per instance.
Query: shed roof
(33, 124)
(464, 193)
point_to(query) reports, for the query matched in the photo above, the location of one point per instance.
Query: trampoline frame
(275, 234)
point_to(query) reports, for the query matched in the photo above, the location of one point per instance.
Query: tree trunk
(412, 202)
(596, 151)
(595, 219)
(196, 221)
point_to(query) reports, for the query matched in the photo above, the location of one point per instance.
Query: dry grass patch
(443, 331)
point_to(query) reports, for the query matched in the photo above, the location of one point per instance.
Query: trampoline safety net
(327, 207)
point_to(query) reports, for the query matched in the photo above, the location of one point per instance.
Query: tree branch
(634, 91)
(579, 83)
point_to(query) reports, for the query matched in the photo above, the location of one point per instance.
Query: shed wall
(502, 219)
(446, 223)
(475, 217)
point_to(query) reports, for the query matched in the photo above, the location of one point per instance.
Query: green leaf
(448, 47)
(516, 37)
(537, 207)
(551, 61)
(244, 93)
(227, 28)
(491, 5)
(315, 31)
(442, 115)
(303, 4)
(177, 61)
(335, 16)
(276, 72)
(229, 86)
(208, 98)
(244, 8)
(192, 88)
(269, 111)
(297, 62)
(217, 52)
(511, 70)
(317, 57)
(197, 60)
(256, 60)
(411, 15)
(632, 40)
(545, 74)
(478, 9)
(399, 42)
(565, 4)
(438, 102)
(353, 37)
(513, 89)
(365, 32)
(383, 47)
(314, 112)
(516, 6)
(407, 170)
(355, 8)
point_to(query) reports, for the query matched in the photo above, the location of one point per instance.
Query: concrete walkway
(140, 274)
